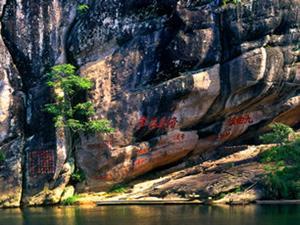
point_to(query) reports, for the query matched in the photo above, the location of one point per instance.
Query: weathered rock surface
(52, 191)
(11, 135)
(32, 40)
(220, 73)
(177, 78)
(231, 176)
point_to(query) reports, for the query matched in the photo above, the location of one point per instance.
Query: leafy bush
(283, 165)
(280, 134)
(71, 200)
(67, 111)
(78, 176)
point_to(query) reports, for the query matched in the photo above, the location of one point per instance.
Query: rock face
(32, 41)
(11, 134)
(177, 78)
(184, 79)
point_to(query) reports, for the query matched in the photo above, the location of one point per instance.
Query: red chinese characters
(155, 123)
(41, 162)
(163, 123)
(142, 151)
(142, 121)
(234, 121)
(239, 120)
(139, 162)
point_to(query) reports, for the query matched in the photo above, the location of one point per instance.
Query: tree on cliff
(70, 109)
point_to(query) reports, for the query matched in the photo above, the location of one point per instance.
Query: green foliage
(84, 109)
(280, 134)
(283, 165)
(67, 111)
(83, 8)
(119, 188)
(2, 157)
(75, 125)
(225, 2)
(71, 200)
(78, 176)
(64, 77)
(101, 126)
(238, 190)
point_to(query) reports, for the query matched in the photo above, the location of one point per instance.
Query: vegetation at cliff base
(283, 166)
(280, 134)
(119, 188)
(70, 108)
(71, 200)
(78, 176)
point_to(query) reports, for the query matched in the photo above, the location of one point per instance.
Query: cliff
(179, 79)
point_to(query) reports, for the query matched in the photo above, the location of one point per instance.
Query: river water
(154, 215)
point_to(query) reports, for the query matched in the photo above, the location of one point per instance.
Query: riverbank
(233, 179)
(230, 179)
(233, 176)
(185, 202)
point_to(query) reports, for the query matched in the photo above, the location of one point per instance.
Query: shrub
(71, 200)
(67, 110)
(119, 188)
(283, 165)
(78, 176)
(280, 134)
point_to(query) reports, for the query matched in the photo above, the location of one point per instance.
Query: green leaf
(102, 126)
(84, 109)
(82, 8)
(75, 125)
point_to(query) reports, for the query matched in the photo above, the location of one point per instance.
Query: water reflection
(153, 215)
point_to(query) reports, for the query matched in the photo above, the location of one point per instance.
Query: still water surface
(154, 215)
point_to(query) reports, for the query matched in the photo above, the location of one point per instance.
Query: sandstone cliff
(177, 78)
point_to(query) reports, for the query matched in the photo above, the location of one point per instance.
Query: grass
(119, 188)
(239, 189)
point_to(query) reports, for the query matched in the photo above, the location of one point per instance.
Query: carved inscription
(41, 162)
